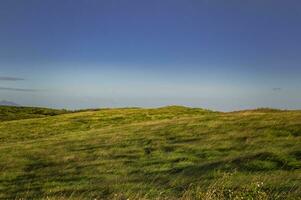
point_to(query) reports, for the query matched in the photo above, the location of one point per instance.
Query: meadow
(164, 153)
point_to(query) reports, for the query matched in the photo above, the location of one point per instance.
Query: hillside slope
(167, 153)
(8, 113)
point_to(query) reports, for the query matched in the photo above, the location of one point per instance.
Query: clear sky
(221, 55)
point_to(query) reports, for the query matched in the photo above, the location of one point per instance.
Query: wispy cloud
(17, 89)
(10, 78)
(277, 89)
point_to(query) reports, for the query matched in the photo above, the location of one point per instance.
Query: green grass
(167, 153)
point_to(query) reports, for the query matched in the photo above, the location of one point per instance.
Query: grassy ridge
(8, 113)
(171, 152)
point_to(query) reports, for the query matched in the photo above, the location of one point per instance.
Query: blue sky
(221, 55)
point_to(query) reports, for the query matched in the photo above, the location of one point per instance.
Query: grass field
(166, 153)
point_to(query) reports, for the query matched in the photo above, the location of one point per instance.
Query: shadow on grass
(264, 161)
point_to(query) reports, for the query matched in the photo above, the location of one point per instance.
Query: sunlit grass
(167, 153)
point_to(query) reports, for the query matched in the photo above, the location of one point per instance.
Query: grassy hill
(8, 113)
(166, 153)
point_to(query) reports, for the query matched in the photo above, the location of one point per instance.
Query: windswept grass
(166, 153)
